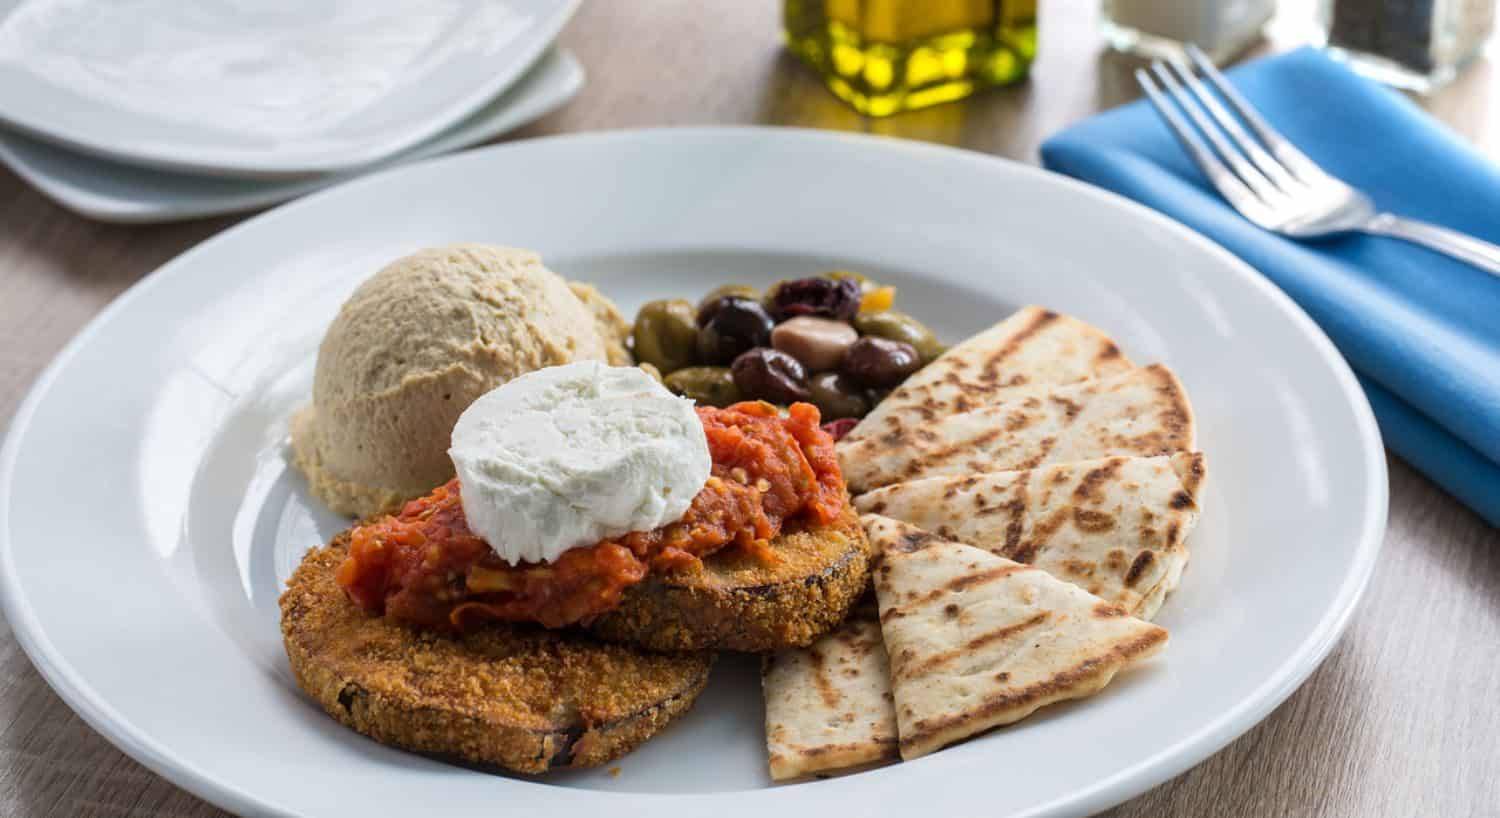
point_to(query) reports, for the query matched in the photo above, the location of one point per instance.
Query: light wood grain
(1403, 718)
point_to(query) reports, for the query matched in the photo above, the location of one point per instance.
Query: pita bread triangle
(828, 705)
(1033, 349)
(1115, 527)
(977, 641)
(1141, 412)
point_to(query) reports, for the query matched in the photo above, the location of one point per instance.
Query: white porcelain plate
(148, 515)
(110, 191)
(260, 89)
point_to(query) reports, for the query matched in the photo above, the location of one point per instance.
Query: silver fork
(1269, 181)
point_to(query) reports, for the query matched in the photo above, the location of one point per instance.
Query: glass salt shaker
(1414, 44)
(1159, 28)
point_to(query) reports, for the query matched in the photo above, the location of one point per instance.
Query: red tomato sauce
(423, 565)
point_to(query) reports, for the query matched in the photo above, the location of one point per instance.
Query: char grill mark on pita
(940, 660)
(967, 657)
(964, 582)
(1027, 352)
(1143, 412)
(829, 705)
(1115, 527)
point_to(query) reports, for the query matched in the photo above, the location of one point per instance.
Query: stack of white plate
(159, 110)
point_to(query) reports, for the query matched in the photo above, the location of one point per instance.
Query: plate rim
(1135, 779)
(241, 164)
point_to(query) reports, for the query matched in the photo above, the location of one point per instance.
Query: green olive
(836, 396)
(898, 326)
(768, 298)
(708, 385)
(666, 335)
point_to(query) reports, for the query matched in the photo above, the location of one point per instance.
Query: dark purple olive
(836, 429)
(769, 375)
(739, 325)
(709, 304)
(880, 362)
(825, 297)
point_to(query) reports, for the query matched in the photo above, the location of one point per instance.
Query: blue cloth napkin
(1421, 330)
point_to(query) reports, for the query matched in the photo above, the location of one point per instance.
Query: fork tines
(1256, 173)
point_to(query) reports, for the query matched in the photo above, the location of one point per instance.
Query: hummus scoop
(410, 350)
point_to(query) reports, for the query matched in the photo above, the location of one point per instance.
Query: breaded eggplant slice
(735, 602)
(523, 698)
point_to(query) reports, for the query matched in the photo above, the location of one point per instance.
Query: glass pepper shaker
(1414, 44)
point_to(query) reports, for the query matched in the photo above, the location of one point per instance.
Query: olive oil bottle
(885, 56)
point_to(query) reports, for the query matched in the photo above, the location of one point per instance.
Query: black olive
(769, 375)
(709, 304)
(880, 362)
(737, 326)
(826, 297)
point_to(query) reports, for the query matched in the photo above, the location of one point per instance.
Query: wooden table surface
(1403, 718)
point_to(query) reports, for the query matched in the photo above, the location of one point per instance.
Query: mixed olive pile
(832, 340)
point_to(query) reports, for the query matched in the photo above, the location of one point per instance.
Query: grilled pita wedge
(1032, 350)
(828, 705)
(1114, 527)
(1143, 412)
(977, 641)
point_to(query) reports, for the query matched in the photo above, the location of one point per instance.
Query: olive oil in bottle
(885, 56)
